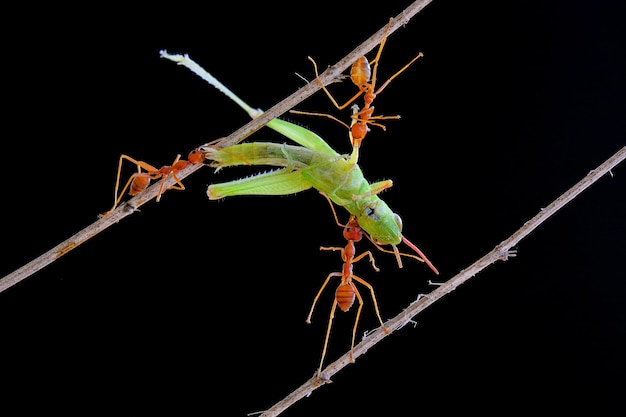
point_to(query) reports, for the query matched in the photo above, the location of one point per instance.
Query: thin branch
(501, 252)
(331, 74)
(90, 231)
(327, 77)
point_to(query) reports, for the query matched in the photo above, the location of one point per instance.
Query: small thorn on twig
(132, 208)
(405, 322)
(302, 78)
(505, 254)
(431, 282)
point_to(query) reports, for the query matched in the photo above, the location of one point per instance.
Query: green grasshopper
(312, 164)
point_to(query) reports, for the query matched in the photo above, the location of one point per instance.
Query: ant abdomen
(345, 296)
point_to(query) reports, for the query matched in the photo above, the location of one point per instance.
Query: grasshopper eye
(398, 220)
(371, 213)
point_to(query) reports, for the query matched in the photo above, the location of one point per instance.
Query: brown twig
(239, 135)
(501, 252)
(331, 74)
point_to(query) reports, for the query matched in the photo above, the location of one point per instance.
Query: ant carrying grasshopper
(363, 76)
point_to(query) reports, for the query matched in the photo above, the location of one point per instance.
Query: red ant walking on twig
(347, 291)
(140, 180)
(364, 77)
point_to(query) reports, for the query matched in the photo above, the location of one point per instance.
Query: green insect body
(337, 176)
(313, 164)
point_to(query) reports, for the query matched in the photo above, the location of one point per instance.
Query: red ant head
(196, 156)
(353, 231)
(359, 130)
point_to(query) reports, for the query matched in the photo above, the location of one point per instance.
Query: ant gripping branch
(364, 77)
(140, 180)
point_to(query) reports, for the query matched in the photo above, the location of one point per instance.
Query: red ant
(361, 73)
(139, 181)
(347, 291)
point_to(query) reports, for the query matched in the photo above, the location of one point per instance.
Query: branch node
(321, 379)
(419, 297)
(407, 321)
(131, 208)
(504, 253)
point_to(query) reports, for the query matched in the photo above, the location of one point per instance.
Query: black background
(195, 306)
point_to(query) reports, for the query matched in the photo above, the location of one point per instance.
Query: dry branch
(501, 252)
(327, 77)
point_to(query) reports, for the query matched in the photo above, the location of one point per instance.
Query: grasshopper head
(385, 228)
(383, 225)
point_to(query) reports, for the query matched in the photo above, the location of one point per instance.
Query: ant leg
(356, 319)
(140, 164)
(330, 323)
(332, 248)
(386, 83)
(358, 258)
(119, 198)
(178, 186)
(368, 285)
(330, 96)
(372, 120)
(333, 274)
(330, 116)
(165, 172)
(332, 208)
(378, 54)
